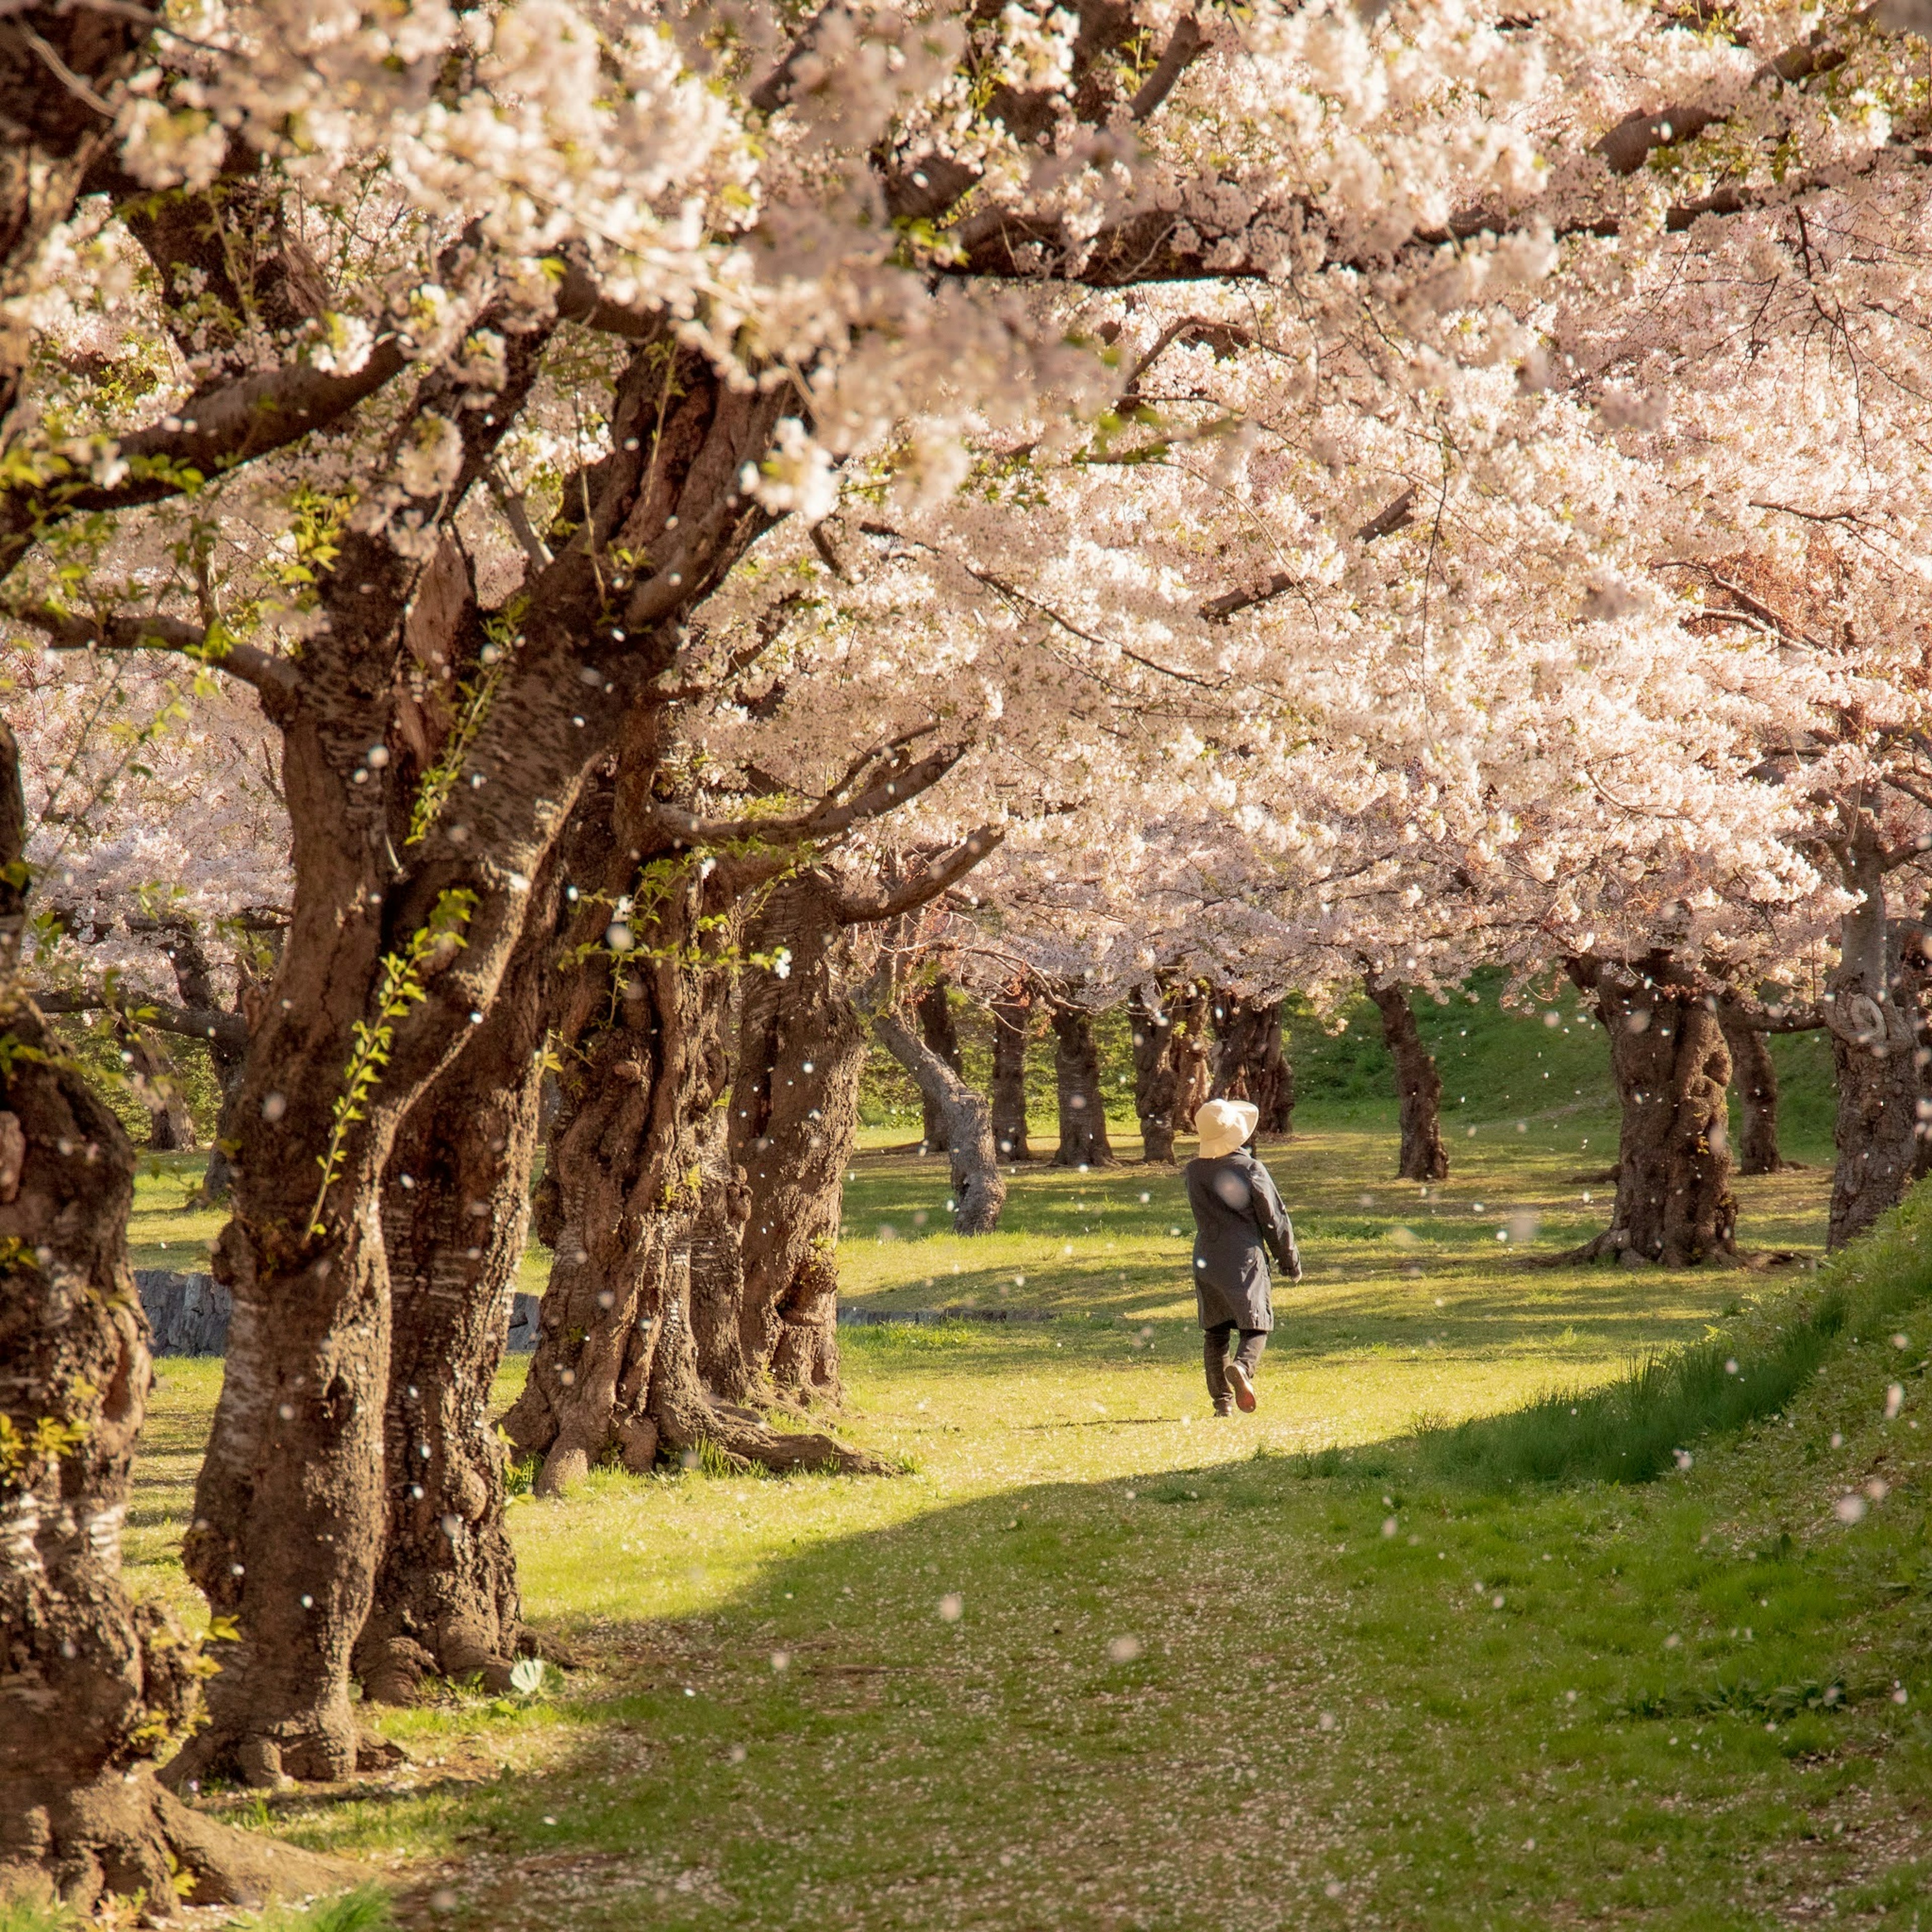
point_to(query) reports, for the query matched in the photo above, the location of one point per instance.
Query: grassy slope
(1196, 1679)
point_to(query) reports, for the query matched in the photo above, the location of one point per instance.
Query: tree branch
(229, 1031)
(1397, 516)
(229, 427)
(1185, 42)
(275, 678)
(943, 873)
(893, 788)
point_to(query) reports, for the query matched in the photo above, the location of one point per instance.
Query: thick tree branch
(1185, 43)
(230, 427)
(1739, 1011)
(893, 788)
(275, 678)
(857, 908)
(208, 1023)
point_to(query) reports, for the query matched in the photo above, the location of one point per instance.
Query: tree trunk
(1076, 1072)
(1418, 1085)
(171, 1126)
(1192, 1045)
(794, 1122)
(1248, 1062)
(1875, 1034)
(91, 1684)
(937, 1028)
(455, 1217)
(217, 1179)
(1156, 1077)
(194, 979)
(979, 1193)
(639, 1023)
(1674, 1201)
(718, 1264)
(1011, 1019)
(1755, 1076)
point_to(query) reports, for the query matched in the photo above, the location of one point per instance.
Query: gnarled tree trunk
(1418, 1085)
(1012, 1017)
(640, 1022)
(802, 1049)
(937, 1028)
(1248, 1062)
(455, 1217)
(1192, 1043)
(1674, 1202)
(718, 1264)
(979, 1193)
(406, 877)
(1083, 1107)
(91, 1684)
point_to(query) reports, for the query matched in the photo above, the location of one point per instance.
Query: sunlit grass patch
(1100, 1660)
(1642, 1424)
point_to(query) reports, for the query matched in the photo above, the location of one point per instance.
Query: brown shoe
(1244, 1387)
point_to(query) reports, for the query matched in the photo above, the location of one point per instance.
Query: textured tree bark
(455, 1216)
(1755, 1075)
(1418, 1085)
(1012, 1017)
(389, 854)
(1083, 1108)
(1191, 1044)
(91, 1685)
(640, 1022)
(718, 1265)
(1248, 1062)
(194, 979)
(1157, 1079)
(1875, 1035)
(794, 1122)
(979, 1191)
(1674, 1201)
(937, 1028)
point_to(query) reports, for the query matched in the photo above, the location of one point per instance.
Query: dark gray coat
(1239, 1222)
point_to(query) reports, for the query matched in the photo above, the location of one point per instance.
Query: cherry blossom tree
(750, 260)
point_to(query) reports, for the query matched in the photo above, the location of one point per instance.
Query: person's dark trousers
(1214, 1351)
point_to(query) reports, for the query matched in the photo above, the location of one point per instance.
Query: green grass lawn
(1100, 1661)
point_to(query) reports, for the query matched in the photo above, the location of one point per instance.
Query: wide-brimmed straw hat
(1225, 1125)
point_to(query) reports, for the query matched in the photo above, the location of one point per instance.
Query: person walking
(1239, 1222)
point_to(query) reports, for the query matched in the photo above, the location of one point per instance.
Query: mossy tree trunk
(640, 1022)
(801, 1047)
(455, 1218)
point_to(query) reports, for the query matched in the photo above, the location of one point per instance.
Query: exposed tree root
(127, 1835)
(687, 1418)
